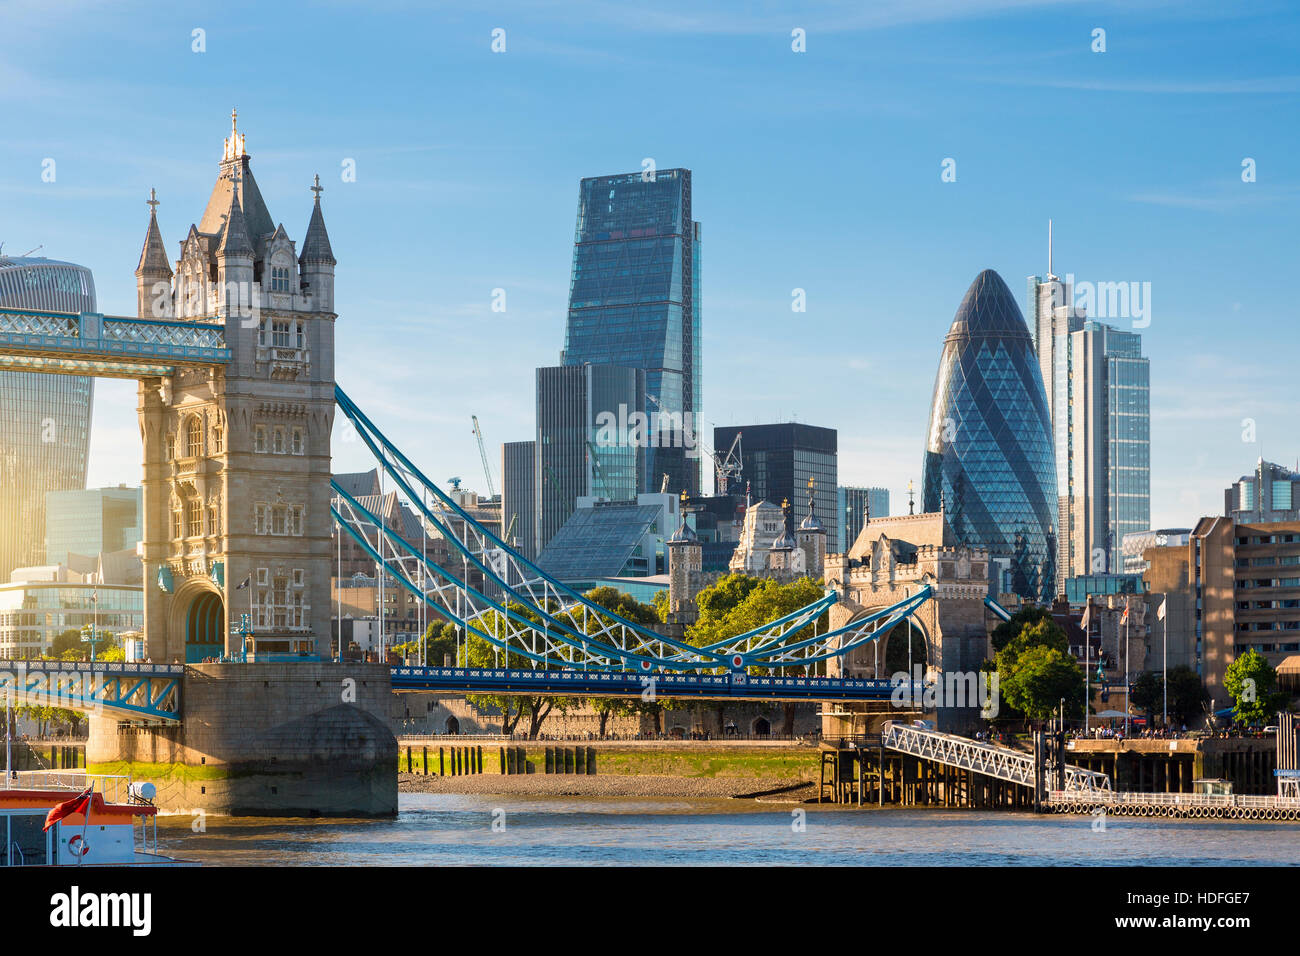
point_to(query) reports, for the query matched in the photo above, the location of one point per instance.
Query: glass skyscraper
(44, 419)
(988, 459)
(1099, 397)
(586, 440)
(851, 509)
(777, 460)
(634, 301)
(92, 521)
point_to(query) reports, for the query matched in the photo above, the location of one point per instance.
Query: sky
(821, 170)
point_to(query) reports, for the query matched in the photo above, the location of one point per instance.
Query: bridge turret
(317, 259)
(153, 276)
(235, 257)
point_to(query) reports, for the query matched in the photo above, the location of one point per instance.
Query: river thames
(449, 829)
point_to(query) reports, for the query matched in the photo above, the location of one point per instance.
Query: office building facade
(1232, 587)
(1098, 386)
(634, 301)
(44, 419)
(518, 496)
(589, 440)
(988, 460)
(1270, 493)
(778, 460)
(852, 504)
(92, 521)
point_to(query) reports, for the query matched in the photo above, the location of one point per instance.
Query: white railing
(1248, 801)
(113, 788)
(984, 758)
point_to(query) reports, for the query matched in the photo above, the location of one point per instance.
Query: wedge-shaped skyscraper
(988, 456)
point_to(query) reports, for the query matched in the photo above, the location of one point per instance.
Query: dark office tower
(44, 419)
(634, 301)
(776, 462)
(518, 494)
(590, 440)
(988, 456)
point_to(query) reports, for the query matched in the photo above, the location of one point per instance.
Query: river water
(446, 829)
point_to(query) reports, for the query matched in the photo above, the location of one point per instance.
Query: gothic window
(193, 437)
(280, 334)
(277, 441)
(280, 600)
(263, 576)
(297, 611)
(170, 445)
(297, 441)
(261, 332)
(298, 577)
(261, 513)
(299, 341)
(259, 439)
(278, 519)
(177, 531)
(279, 279)
(296, 520)
(214, 521)
(218, 440)
(194, 516)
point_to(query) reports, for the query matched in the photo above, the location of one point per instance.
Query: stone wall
(265, 739)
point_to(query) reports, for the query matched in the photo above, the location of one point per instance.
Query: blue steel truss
(739, 686)
(126, 691)
(108, 346)
(558, 627)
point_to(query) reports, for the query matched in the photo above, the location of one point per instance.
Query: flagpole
(85, 820)
(1127, 685)
(1164, 657)
(1087, 662)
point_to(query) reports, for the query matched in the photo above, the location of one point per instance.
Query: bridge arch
(890, 649)
(198, 623)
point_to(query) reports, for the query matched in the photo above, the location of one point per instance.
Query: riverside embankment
(626, 769)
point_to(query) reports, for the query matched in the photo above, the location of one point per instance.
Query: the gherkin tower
(988, 455)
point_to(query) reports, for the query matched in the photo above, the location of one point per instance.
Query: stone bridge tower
(891, 559)
(237, 459)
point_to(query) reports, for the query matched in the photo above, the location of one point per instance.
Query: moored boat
(78, 819)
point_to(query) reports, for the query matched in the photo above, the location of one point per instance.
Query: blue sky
(817, 170)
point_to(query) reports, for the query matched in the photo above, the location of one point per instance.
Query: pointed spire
(316, 245)
(153, 257)
(235, 241)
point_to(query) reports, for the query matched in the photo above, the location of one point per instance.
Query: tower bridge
(233, 349)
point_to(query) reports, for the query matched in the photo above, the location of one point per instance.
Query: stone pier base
(308, 739)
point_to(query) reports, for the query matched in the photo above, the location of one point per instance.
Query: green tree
(1028, 615)
(1251, 681)
(1042, 677)
(1148, 694)
(1187, 694)
(1036, 633)
(737, 603)
(476, 651)
(630, 609)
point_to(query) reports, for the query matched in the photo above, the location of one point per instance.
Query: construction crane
(725, 467)
(482, 451)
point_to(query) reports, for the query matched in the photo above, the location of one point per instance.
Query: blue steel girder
(107, 346)
(525, 583)
(604, 683)
(125, 691)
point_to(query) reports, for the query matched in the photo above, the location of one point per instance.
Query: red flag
(1124, 618)
(77, 804)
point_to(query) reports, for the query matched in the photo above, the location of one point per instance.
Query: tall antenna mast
(1050, 273)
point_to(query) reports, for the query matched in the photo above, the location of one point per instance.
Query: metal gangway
(989, 759)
